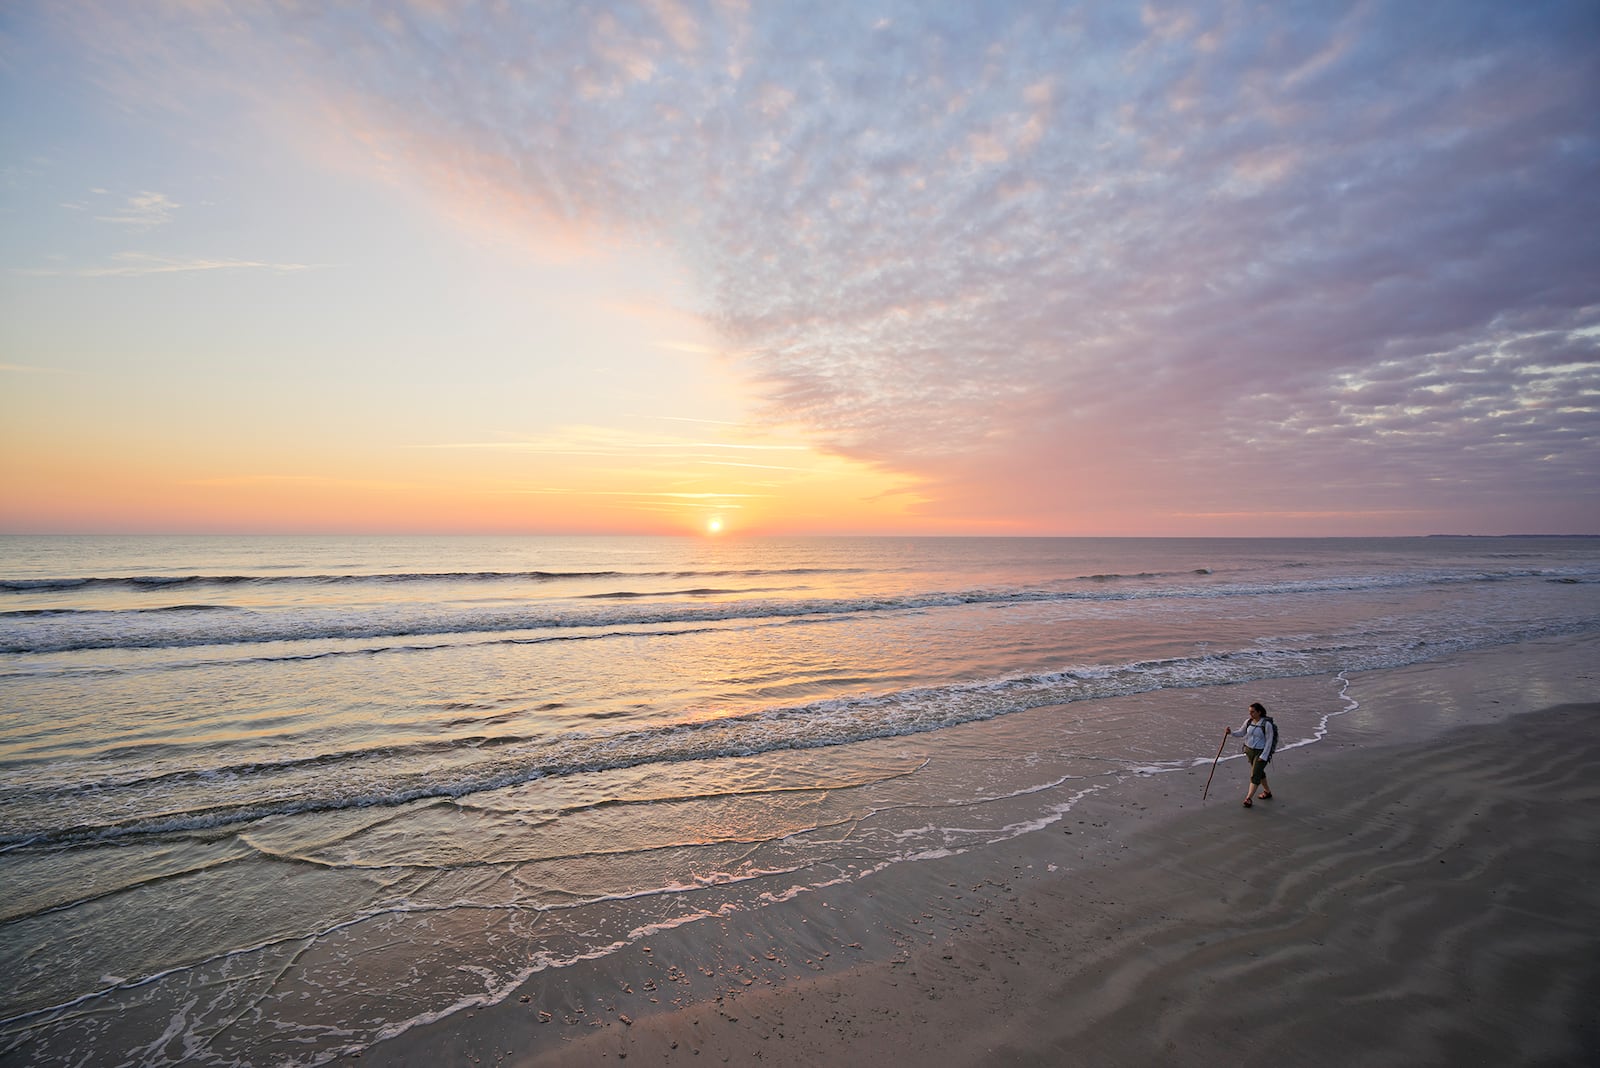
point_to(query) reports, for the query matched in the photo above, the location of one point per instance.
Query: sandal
(1267, 796)
(1247, 802)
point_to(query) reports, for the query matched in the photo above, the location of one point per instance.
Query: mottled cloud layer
(1186, 261)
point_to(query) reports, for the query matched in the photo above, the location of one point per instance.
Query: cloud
(303, 481)
(143, 212)
(27, 369)
(1044, 256)
(608, 441)
(757, 467)
(669, 495)
(134, 265)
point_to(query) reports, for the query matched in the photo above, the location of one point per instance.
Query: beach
(1425, 897)
(542, 800)
(554, 534)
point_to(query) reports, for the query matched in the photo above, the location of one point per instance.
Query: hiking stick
(1207, 790)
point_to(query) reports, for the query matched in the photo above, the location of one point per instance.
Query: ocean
(269, 800)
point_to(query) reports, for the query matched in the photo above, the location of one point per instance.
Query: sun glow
(714, 525)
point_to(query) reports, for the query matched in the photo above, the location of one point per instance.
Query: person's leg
(1266, 791)
(1254, 757)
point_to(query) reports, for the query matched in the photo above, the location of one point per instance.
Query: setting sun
(714, 525)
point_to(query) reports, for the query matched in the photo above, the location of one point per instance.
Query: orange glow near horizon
(587, 481)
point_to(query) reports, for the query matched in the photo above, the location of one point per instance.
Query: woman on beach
(1260, 740)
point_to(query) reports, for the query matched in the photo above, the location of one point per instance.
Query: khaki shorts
(1258, 767)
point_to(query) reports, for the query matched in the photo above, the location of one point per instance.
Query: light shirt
(1260, 734)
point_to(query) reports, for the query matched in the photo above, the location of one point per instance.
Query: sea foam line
(167, 630)
(165, 582)
(818, 725)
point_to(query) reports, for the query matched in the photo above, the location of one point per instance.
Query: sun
(714, 525)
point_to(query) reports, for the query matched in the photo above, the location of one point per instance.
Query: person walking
(1260, 742)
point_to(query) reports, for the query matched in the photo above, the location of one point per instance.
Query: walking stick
(1207, 790)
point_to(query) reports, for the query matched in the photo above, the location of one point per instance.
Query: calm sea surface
(232, 767)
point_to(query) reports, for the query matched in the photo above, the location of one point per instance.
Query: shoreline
(1400, 901)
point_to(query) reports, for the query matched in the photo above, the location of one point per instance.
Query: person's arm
(1269, 741)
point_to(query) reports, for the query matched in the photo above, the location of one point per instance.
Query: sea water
(267, 800)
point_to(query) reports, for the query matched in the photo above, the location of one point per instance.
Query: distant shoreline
(1511, 535)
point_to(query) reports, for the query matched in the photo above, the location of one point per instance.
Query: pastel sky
(1205, 268)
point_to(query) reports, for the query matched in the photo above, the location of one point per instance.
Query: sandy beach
(1394, 904)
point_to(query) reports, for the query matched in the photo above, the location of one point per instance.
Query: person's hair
(1257, 706)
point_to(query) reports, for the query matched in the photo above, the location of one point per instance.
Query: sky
(1209, 269)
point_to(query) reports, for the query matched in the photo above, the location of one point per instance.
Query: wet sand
(1393, 904)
